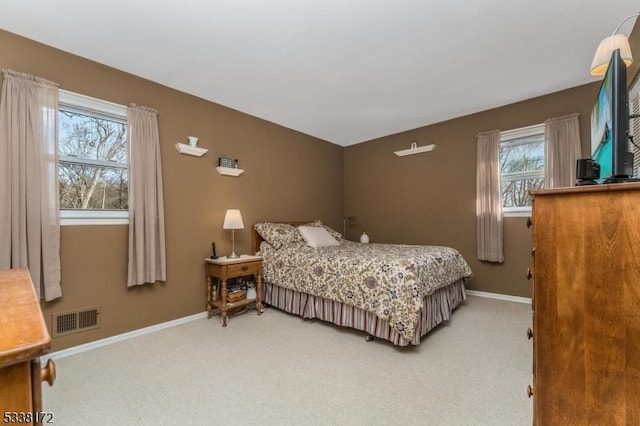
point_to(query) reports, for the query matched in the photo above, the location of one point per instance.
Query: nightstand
(224, 268)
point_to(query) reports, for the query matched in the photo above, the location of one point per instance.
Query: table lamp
(608, 45)
(233, 221)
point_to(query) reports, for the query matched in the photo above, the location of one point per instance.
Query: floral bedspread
(390, 280)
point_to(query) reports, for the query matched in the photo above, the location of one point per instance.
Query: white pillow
(317, 236)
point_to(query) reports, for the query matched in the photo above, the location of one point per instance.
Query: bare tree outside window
(522, 169)
(93, 161)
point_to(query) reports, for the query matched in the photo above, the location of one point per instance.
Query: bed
(393, 292)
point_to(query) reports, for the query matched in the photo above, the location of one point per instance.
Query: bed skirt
(437, 308)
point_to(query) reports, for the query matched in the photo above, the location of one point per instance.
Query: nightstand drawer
(243, 269)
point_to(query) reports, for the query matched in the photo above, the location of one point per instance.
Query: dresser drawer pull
(529, 274)
(244, 268)
(529, 391)
(529, 222)
(529, 333)
(48, 372)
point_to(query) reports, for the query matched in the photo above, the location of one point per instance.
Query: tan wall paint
(289, 176)
(429, 198)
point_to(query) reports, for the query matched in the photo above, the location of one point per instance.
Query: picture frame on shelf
(226, 162)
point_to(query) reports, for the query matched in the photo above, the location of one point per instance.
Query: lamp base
(233, 254)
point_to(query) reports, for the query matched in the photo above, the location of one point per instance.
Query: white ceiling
(345, 71)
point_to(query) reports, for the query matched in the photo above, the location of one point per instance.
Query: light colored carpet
(278, 369)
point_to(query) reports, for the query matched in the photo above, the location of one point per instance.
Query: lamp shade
(233, 220)
(605, 50)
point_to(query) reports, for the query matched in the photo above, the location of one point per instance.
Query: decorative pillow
(317, 236)
(335, 234)
(278, 234)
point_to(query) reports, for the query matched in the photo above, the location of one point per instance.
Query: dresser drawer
(244, 269)
(15, 392)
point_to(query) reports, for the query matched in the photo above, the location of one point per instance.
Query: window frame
(506, 138)
(104, 109)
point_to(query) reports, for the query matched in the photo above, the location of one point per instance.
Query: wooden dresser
(23, 338)
(586, 305)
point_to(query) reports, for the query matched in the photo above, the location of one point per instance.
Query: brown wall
(94, 258)
(430, 198)
(427, 198)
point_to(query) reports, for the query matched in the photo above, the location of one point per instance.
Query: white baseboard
(120, 337)
(488, 295)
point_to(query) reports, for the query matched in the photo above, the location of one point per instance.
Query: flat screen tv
(610, 124)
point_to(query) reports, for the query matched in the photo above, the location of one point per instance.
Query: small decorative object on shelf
(214, 255)
(193, 141)
(364, 238)
(226, 162)
(251, 290)
(234, 296)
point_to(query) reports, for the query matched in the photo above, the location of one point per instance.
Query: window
(521, 167)
(92, 151)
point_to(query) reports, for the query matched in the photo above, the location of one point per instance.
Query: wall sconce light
(608, 45)
(347, 222)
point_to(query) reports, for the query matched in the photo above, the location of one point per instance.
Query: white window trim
(89, 161)
(523, 175)
(111, 111)
(521, 132)
(505, 137)
(516, 211)
(94, 217)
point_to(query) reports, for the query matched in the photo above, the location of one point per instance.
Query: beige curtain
(29, 204)
(562, 149)
(488, 198)
(147, 256)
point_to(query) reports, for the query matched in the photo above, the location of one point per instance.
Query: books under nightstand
(227, 296)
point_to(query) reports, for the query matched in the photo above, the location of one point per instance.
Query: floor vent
(75, 321)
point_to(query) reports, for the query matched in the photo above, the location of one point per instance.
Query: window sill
(93, 217)
(518, 213)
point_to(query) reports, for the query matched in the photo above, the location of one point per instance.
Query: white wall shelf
(229, 171)
(418, 150)
(190, 150)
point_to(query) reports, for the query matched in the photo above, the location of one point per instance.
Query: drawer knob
(529, 333)
(48, 372)
(529, 391)
(529, 274)
(529, 222)
(244, 268)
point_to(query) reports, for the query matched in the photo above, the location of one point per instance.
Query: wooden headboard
(256, 239)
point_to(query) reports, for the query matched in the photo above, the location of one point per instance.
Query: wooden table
(23, 338)
(224, 268)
